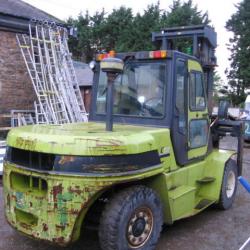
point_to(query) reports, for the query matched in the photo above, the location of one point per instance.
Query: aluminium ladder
(47, 58)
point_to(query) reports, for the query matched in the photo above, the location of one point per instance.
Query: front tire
(131, 220)
(229, 185)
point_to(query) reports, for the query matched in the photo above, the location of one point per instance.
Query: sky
(219, 12)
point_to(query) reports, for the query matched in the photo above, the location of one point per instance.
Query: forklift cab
(164, 88)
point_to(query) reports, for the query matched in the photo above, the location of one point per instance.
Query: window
(139, 91)
(198, 133)
(197, 93)
(180, 97)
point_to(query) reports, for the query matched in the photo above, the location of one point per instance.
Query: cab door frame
(183, 117)
(179, 133)
(198, 119)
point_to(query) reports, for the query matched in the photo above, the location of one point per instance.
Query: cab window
(198, 133)
(139, 91)
(197, 91)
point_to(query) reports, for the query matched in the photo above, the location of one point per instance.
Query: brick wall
(16, 91)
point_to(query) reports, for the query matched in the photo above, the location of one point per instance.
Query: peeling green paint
(67, 197)
(89, 139)
(55, 211)
(19, 200)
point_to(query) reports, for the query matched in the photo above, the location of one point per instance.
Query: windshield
(139, 91)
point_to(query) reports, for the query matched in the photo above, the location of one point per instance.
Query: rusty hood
(88, 139)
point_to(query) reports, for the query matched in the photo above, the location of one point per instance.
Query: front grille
(21, 182)
(30, 159)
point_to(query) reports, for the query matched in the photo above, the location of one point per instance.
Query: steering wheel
(152, 109)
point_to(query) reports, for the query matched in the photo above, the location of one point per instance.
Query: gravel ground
(210, 230)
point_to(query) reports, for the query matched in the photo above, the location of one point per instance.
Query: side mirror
(223, 109)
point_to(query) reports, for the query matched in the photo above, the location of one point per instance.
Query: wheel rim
(139, 227)
(230, 184)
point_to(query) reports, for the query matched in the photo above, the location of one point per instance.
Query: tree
(220, 89)
(90, 31)
(239, 72)
(184, 14)
(116, 25)
(122, 31)
(143, 25)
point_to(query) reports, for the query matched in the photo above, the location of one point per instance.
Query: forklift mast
(203, 41)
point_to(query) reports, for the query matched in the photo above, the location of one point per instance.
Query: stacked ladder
(47, 58)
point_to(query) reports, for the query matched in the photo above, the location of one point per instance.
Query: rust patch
(59, 240)
(8, 201)
(76, 190)
(39, 198)
(24, 225)
(100, 142)
(73, 211)
(62, 227)
(89, 189)
(45, 227)
(108, 142)
(25, 143)
(66, 159)
(85, 204)
(13, 197)
(55, 191)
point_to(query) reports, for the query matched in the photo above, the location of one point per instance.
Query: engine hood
(89, 139)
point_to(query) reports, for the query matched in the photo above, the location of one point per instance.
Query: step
(203, 204)
(206, 179)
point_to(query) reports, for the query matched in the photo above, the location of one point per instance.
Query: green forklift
(148, 156)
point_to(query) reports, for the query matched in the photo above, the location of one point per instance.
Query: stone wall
(16, 91)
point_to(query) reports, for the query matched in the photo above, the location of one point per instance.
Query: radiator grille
(30, 159)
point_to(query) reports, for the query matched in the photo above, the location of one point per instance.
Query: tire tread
(112, 212)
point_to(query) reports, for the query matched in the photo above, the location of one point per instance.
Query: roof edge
(13, 23)
(46, 13)
(17, 24)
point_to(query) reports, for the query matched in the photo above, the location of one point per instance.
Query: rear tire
(229, 185)
(131, 220)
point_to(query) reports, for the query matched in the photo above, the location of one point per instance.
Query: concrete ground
(210, 230)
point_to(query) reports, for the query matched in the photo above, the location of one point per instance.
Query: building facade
(16, 91)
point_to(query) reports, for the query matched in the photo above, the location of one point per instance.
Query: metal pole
(109, 102)
(113, 67)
